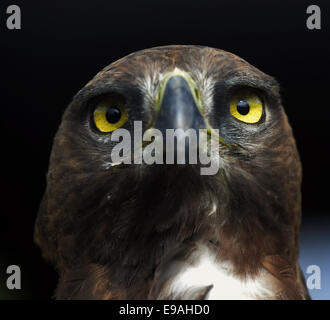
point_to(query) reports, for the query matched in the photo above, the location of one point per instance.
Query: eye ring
(109, 115)
(247, 107)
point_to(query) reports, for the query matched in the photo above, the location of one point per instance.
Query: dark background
(63, 44)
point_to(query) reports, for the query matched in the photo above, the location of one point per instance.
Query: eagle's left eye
(246, 106)
(109, 115)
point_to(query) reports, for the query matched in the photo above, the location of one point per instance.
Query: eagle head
(132, 227)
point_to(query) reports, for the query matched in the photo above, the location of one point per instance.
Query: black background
(63, 44)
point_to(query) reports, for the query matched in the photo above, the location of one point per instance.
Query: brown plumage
(127, 231)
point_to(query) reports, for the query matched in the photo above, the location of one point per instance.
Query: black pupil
(113, 115)
(243, 107)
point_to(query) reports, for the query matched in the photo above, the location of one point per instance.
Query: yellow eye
(246, 106)
(109, 115)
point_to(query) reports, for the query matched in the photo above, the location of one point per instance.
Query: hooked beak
(179, 120)
(179, 109)
(179, 104)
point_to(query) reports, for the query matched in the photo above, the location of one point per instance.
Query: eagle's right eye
(109, 115)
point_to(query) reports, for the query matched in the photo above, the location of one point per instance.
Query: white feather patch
(226, 286)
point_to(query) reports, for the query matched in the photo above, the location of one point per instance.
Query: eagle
(166, 231)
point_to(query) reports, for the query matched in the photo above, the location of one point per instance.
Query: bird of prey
(165, 231)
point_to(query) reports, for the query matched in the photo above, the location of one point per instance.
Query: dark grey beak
(178, 110)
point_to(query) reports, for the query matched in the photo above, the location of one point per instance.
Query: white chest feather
(225, 284)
